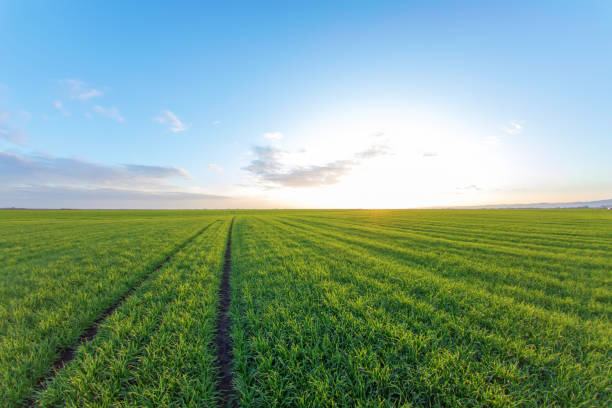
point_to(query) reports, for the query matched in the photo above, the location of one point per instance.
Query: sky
(357, 104)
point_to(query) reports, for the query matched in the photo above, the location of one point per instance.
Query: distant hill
(578, 204)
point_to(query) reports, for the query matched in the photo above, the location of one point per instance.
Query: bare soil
(223, 341)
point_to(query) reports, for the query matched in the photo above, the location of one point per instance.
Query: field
(495, 308)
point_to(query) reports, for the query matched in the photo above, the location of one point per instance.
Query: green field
(495, 308)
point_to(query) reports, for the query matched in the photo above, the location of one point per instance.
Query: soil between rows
(223, 341)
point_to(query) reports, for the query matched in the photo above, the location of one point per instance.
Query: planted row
(60, 270)
(324, 315)
(156, 349)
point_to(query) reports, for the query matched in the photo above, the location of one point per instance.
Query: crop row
(61, 270)
(328, 308)
(324, 313)
(155, 350)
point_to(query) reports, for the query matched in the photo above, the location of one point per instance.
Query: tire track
(223, 341)
(68, 354)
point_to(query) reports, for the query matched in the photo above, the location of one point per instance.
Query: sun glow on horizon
(398, 105)
(415, 160)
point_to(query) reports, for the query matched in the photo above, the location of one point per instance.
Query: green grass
(330, 308)
(61, 269)
(424, 308)
(156, 349)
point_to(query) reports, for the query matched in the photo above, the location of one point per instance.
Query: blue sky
(323, 104)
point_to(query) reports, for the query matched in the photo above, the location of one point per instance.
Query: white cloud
(60, 107)
(216, 122)
(269, 170)
(430, 154)
(472, 187)
(514, 127)
(273, 135)
(174, 123)
(373, 151)
(80, 90)
(215, 167)
(110, 112)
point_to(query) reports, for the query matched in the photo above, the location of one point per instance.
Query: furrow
(69, 353)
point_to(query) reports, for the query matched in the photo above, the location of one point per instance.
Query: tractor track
(223, 341)
(68, 354)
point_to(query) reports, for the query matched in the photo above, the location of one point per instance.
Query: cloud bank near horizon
(37, 181)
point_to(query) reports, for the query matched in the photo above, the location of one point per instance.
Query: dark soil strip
(223, 341)
(68, 354)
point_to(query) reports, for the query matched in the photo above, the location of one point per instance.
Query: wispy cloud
(57, 104)
(215, 167)
(472, 187)
(13, 135)
(51, 182)
(273, 135)
(108, 197)
(266, 162)
(9, 132)
(18, 169)
(269, 170)
(430, 154)
(156, 172)
(80, 90)
(216, 122)
(514, 127)
(373, 151)
(174, 123)
(110, 112)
